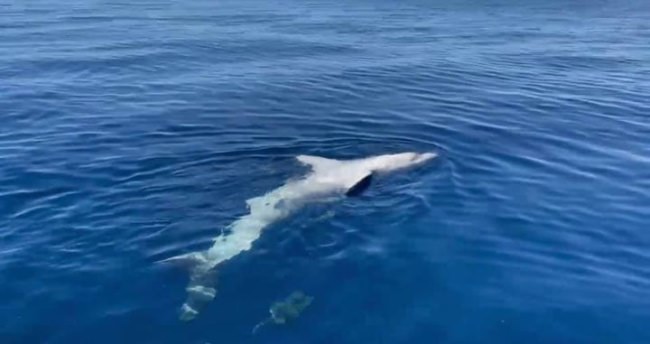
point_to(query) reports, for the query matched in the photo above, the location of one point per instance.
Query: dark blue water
(133, 131)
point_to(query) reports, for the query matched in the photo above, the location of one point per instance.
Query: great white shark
(327, 178)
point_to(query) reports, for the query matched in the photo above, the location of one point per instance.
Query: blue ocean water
(133, 131)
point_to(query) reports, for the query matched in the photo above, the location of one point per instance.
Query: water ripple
(135, 132)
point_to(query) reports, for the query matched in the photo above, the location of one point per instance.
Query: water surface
(135, 131)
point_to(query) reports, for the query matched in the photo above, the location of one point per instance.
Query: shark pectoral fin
(188, 260)
(360, 186)
(316, 162)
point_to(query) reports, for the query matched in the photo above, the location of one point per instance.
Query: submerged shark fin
(316, 162)
(360, 186)
(201, 287)
(188, 260)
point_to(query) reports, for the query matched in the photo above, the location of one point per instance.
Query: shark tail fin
(201, 288)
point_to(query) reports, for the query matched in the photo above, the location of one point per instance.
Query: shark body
(328, 177)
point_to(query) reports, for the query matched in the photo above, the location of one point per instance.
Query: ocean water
(133, 131)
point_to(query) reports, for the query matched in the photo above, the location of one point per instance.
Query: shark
(327, 179)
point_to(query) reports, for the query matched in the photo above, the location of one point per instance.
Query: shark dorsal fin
(316, 163)
(360, 186)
